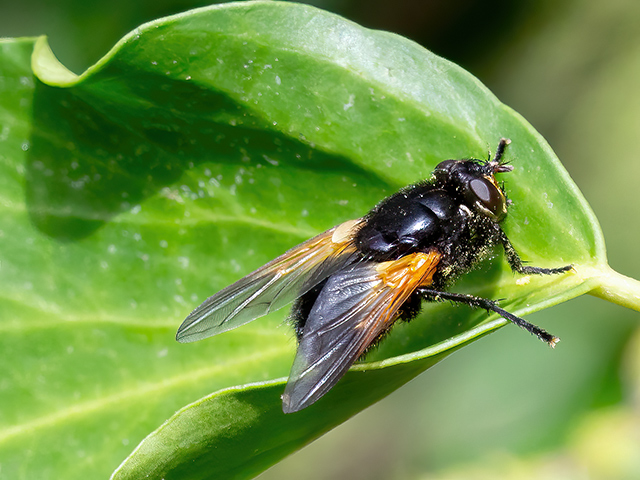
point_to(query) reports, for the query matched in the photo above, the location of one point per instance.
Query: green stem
(617, 288)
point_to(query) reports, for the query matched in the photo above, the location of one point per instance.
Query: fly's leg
(490, 305)
(516, 264)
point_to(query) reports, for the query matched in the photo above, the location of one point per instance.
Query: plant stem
(617, 288)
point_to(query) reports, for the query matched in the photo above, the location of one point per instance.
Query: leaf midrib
(82, 409)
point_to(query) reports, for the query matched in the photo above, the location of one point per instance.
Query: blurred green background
(506, 406)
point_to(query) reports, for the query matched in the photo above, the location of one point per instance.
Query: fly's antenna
(497, 165)
(500, 150)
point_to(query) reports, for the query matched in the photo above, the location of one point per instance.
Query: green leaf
(200, 147)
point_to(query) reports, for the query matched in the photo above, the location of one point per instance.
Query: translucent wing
(274, 285)
(353, 309)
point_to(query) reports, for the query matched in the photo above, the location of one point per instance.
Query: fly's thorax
(412, 220)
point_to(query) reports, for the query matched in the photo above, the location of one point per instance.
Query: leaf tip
(47, 67)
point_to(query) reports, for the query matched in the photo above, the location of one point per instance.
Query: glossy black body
(457, 213)
(351, 283)
(420, 218)
(440, 214)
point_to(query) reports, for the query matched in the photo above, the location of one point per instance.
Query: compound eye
(489, 197)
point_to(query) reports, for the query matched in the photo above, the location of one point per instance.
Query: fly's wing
(356, 305)
(274, 285)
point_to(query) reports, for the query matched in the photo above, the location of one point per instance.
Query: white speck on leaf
(350, 103)
(271, 160)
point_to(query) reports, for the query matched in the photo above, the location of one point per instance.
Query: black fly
(351, 283)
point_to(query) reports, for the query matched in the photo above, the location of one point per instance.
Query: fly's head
(474, 182)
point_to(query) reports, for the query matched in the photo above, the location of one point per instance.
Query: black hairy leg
(517, 265)
(489, 305)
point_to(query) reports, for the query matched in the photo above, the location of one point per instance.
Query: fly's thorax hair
(464, 253)
(403, 192)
